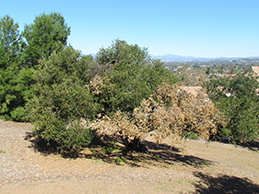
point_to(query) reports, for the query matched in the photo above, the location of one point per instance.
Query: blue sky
(200, 28)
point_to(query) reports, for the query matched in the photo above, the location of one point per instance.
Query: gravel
(20, 164)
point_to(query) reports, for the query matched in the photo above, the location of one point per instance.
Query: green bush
(133, 76)
(190, 135)
(61, 102)
(237, 98)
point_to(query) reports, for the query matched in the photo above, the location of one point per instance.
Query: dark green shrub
(133, 76)
(62, 102)
(190, 135)
(236, 97)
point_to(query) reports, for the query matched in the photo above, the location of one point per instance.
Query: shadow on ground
(251, 145)
(40, 145)
(113, 152)
(224, 184)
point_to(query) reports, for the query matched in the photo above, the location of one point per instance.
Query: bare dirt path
(206, 168)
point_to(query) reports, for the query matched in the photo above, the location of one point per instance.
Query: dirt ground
(206, 167)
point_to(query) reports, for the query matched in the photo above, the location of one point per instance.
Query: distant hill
(171, 58)
(189, 59)
(179, 58)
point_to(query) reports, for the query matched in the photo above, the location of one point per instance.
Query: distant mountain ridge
(179, 58)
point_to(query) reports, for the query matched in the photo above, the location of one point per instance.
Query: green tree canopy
(46, 34)
(10, 42)
(62, 100)
(132, 72)
(10, 53)
(237, 98)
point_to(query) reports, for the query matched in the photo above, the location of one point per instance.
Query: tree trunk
(135, 145)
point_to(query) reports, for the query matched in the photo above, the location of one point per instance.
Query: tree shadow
(114, 152)
(252, 145)
(157, 154)
(41, 145)
(224, 184)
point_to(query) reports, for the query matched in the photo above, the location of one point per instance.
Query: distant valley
(176, 60)
(190, 60)
(179, 58)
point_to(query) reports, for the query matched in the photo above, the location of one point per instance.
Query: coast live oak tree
(237, 98)
(71, 87)
(62, 100)
(132, 74)
(168, 112)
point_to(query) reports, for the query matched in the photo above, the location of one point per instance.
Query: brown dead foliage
(168, 112)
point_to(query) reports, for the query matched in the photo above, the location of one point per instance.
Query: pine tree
(10, 54)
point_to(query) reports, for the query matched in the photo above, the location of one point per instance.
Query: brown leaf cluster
(168, 112)
(99, 85)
